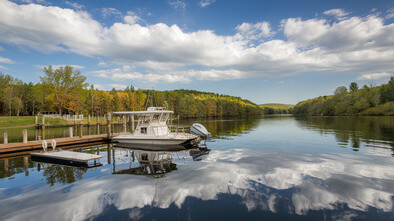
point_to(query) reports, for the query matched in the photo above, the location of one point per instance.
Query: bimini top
(150, 110)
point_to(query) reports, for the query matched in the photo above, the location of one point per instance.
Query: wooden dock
(60, 142)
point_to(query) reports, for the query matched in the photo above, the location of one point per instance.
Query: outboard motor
(200, 130)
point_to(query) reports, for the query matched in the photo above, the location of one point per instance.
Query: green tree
(340, 90)
(63, 85)
(353, 87)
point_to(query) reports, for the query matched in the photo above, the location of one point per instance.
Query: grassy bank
(28, 120)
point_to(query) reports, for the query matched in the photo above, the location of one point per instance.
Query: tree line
(274, 108)
(351, 101)
(65, 91)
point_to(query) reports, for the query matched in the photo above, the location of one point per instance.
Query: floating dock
(66, 157)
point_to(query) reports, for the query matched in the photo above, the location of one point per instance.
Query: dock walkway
(60, 142)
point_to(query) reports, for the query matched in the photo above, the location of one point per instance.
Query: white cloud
(56, 66)
(254, 31)
(355, 44)
(128, 73)
(75, 5)
(390, 13)
(110, 11)
(6, 60)
(338, 13)
(102, 63)
(304, 32)
(2, 67)
(204, 3)
(131, 18)
(36, 1)
(373, 76)
(177, 4)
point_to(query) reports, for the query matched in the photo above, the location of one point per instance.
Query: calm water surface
(275, 168)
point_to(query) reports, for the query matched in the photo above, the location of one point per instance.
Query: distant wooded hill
(275, 108)
(64, 90)
(353, 101)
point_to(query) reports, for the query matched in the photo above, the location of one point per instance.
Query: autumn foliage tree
(63, 87)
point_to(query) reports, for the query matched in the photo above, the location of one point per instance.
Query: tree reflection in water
(353, 131)
(61, 174)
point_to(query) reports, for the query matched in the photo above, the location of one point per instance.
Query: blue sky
(264, 51)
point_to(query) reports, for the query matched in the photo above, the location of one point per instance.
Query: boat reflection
(156, 163)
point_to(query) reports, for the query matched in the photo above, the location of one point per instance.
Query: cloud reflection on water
(263, 181)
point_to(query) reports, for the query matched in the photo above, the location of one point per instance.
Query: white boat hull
(160, 141)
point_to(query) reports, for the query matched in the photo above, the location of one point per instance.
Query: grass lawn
(28, 120)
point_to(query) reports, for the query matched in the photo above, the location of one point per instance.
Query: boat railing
(179, 129)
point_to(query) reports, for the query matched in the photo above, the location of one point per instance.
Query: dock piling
(24, 132)
(109, 126)
(43, 127)
(71, 131)
(5, 137)
(89, 119)
(36, 120)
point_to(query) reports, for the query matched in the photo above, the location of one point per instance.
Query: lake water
(272, 168)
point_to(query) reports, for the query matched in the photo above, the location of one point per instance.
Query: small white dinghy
(200, 130)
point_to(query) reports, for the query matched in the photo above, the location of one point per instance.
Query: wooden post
(70, 129)
(98, 119)
(24, 133)
(5, 137)
(98, 129)
(124, 125)
(43, 127)
(109, 126)
(36, 120)
(132, 123)
(89, 119)
(26, 165)
(80, 130)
